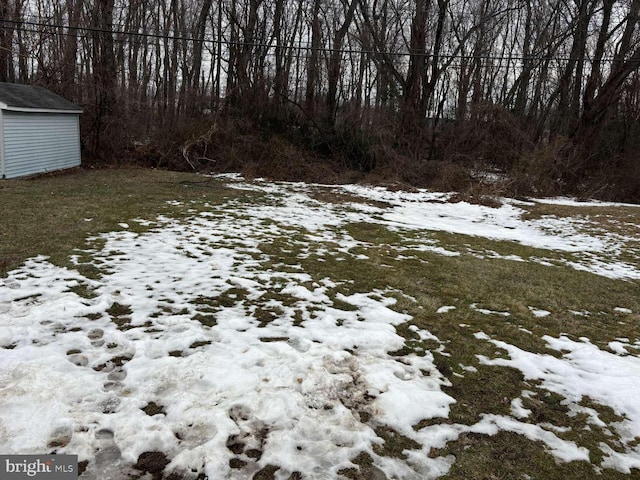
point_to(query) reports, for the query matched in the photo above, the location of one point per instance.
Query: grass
(50, 216)
(53, 215)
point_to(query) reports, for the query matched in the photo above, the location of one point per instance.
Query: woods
(416, 91)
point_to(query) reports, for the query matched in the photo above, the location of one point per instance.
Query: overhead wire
(119, 35)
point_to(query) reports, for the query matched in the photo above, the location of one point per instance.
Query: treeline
(544, 94)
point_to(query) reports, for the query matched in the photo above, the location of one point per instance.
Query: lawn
(167, 325)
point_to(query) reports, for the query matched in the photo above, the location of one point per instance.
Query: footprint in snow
(78, 359)
(12, 284)
(61, 436)
(107, 462)
(248, 444)
(114, 379)
(96, 336)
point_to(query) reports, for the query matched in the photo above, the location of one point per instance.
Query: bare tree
(335, 59)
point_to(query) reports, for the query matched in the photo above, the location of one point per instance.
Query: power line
(306, 48)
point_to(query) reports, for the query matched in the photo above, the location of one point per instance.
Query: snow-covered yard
(206, 347)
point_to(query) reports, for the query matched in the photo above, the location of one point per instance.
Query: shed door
(40, 142)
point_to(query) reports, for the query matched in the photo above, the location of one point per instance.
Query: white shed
(39, 131)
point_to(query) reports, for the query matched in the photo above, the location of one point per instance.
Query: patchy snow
(618, 347)
(294, 389)
(423, 211)
(432, 249)
(584, 371)
(563, 450)
(197, 344)
(569, 202)
(539, 313)
(518, 410)
(623, 310)
(445, 309)
(484, 311)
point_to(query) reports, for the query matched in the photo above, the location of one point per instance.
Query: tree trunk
(411, 115)
(6, 41)
(335, 63)
(104, 68)
(74, 8)
(313, 64)
(198, 42)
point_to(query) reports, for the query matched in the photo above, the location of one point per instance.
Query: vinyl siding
(40, 142)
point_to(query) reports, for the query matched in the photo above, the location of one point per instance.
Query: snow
(623, 310)
(484, 311)
(568, 202)
(618, 347)
(445, 309)
(297, 398)
(490, 424)
(190, 316)
(422, 211)
(539, 313)
(584, 371)
(518, 410)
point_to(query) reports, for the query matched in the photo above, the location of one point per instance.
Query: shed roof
(29, 98)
